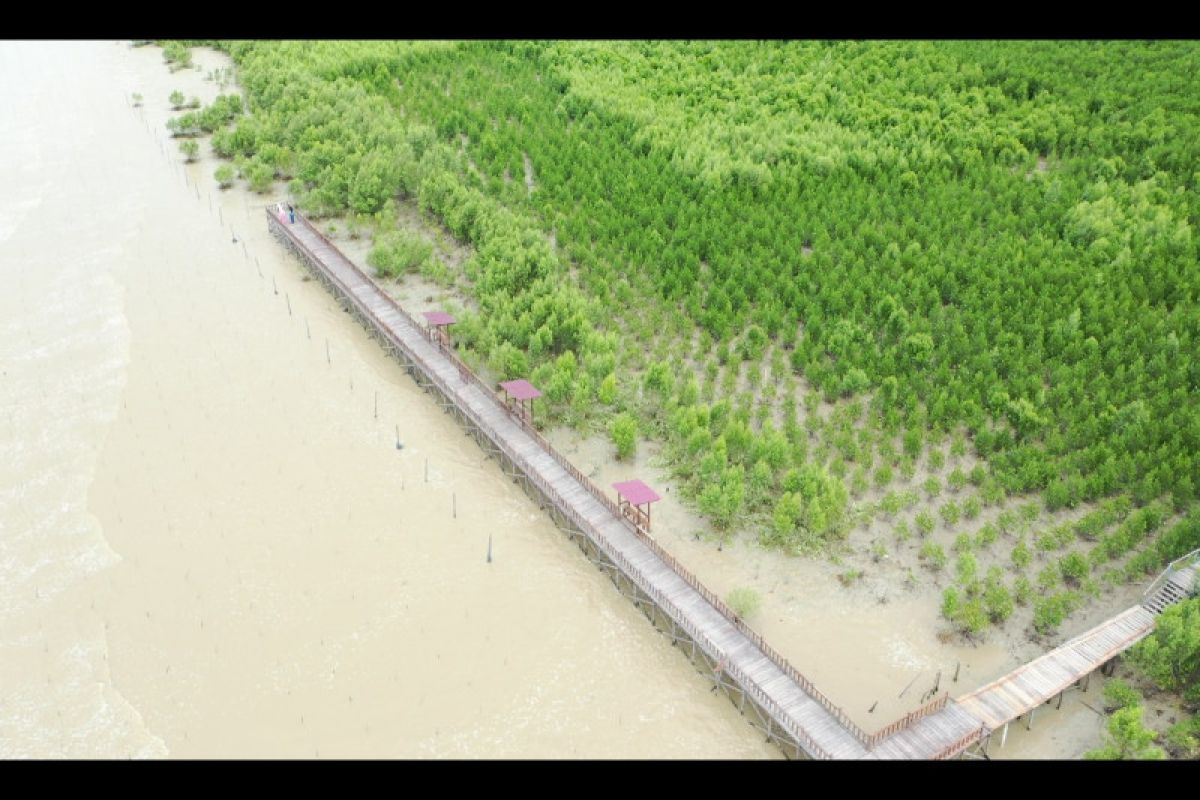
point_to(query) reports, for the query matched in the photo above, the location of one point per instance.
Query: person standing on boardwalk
(292, 213)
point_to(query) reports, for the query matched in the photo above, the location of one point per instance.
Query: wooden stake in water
(307, 328)
(427, 470)
(376, 404)
(274, 285)
(454, 505)
(328, 359)
(288, 297)
(489, 556)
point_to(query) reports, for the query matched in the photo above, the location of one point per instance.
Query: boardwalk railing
(932, 707)
(748, 684)
(468, 376)
(953, 749)
(1191, 559)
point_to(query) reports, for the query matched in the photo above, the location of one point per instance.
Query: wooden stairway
(1175, 588)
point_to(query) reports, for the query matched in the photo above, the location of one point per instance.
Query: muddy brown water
(211, 546)
(209, 543)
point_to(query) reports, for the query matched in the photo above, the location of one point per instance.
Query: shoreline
(277, 595)
(784, 587)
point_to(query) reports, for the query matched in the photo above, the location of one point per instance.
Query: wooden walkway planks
(1031, 685)
(930, 737)
(1019, 692)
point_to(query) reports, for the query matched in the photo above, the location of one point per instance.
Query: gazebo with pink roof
(519, 397)
(436, 323)
(631, 497)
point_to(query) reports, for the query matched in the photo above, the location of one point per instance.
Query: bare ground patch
(415, 292)
(529, 183)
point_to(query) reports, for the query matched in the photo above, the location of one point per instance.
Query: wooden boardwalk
(774, 695)
(1030, 686)
(973, 717)
(794, 714)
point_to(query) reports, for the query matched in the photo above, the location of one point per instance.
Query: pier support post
(1029, 722)
(1004, 736)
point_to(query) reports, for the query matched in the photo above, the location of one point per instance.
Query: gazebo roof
(636, 492)
(438, 318)
(520, 389)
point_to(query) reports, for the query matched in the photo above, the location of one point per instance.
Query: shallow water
(209, 542)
